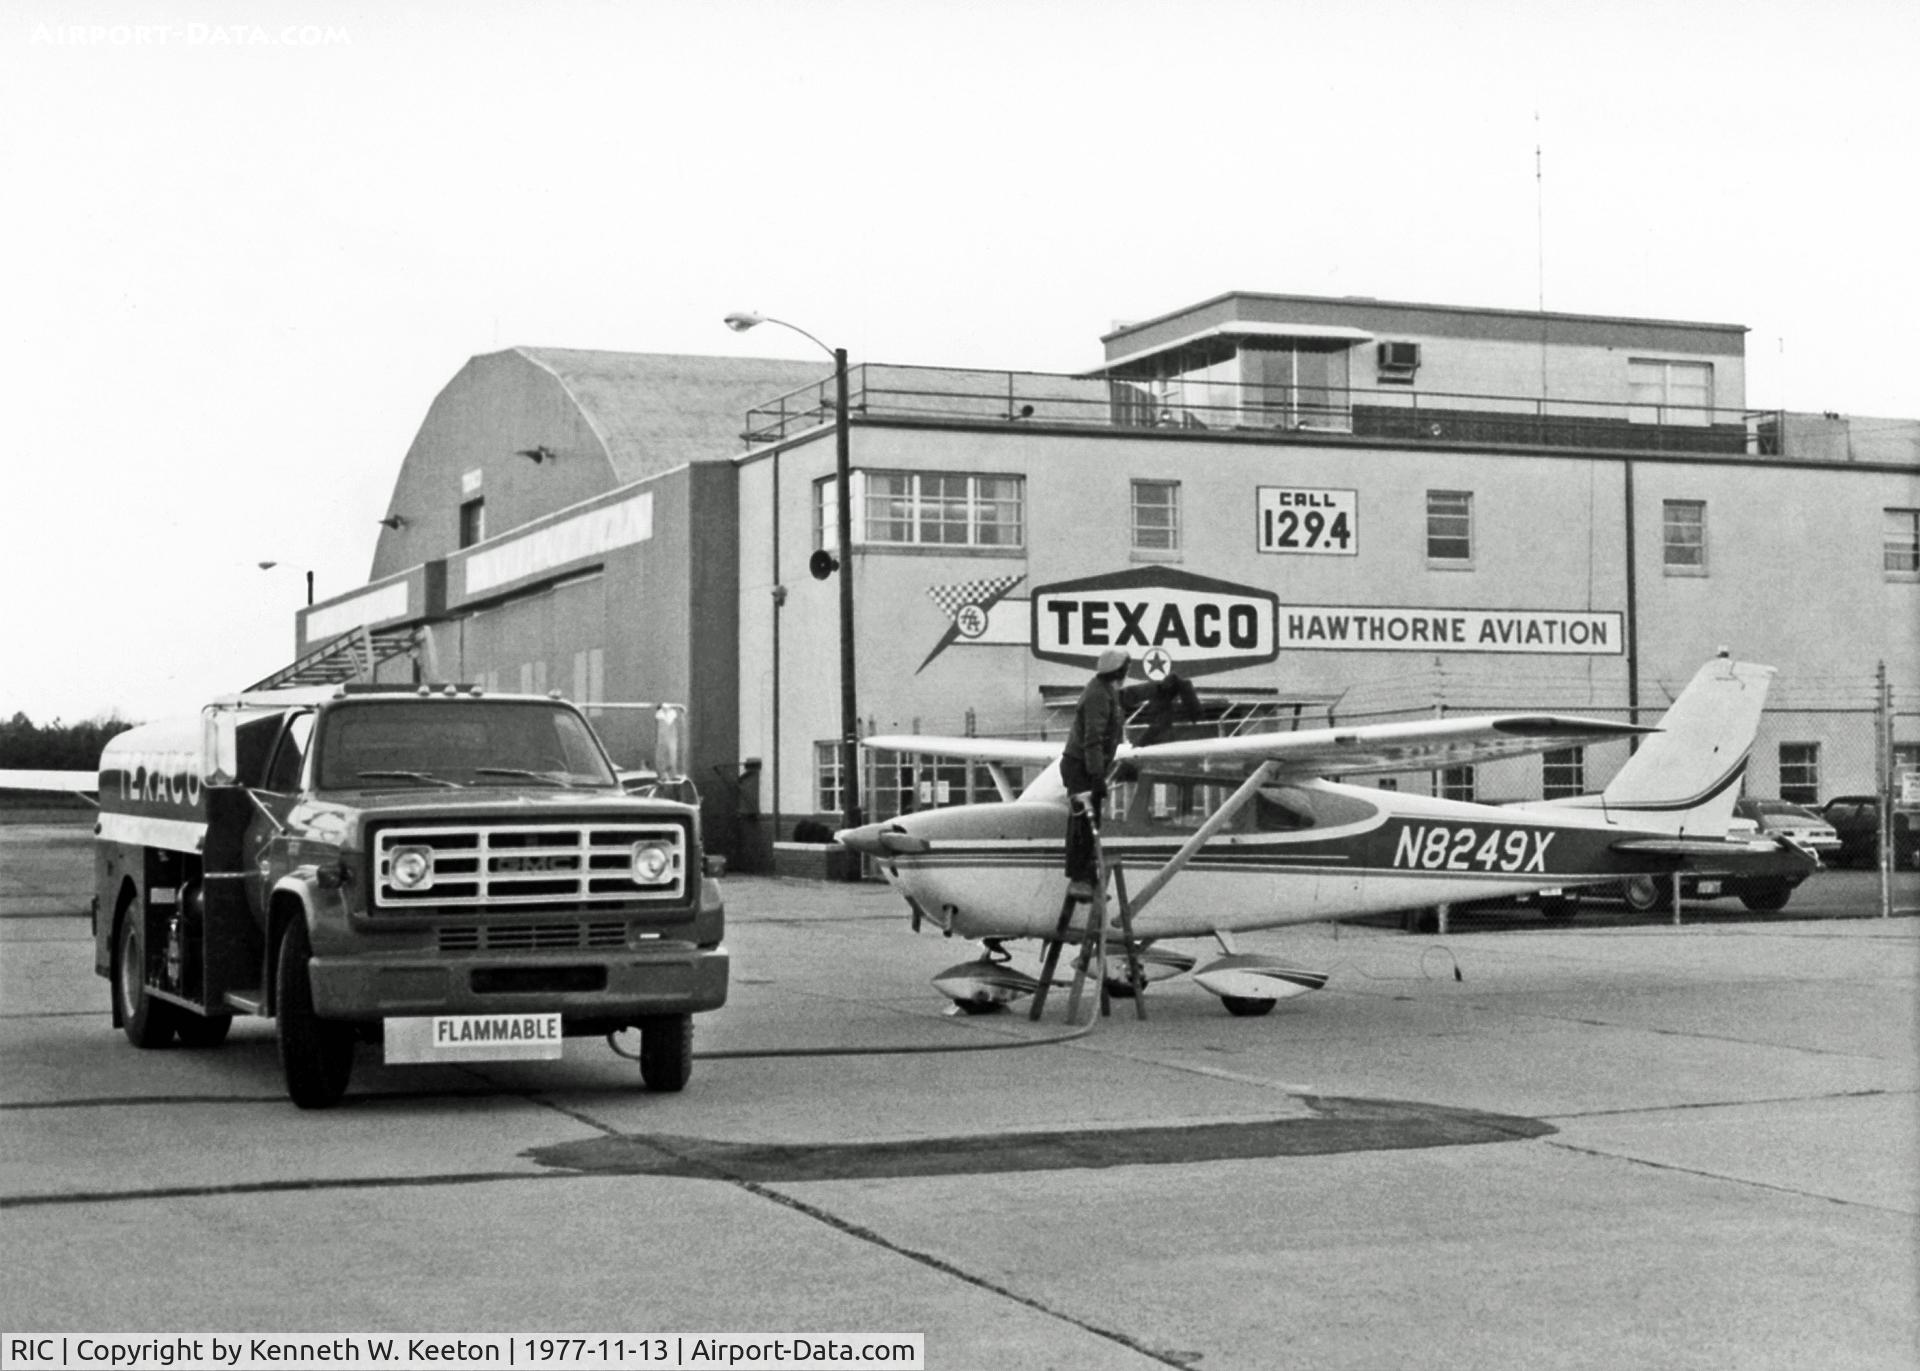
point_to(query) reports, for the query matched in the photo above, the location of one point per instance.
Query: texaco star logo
(1156, 663)
(971, 620)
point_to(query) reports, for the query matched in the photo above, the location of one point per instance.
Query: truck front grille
(526, 866)
(532, 937)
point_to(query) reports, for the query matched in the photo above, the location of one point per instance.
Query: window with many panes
(1664, 392)
(1683, 537)
(826, 777)
(1456, 783)
(1563, 773)
(1800, 773)
(1902, 542)
(1450, 526)
(944, 509)
(1156, 516)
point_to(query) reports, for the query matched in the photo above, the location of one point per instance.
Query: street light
(843, 500)
(269, 566)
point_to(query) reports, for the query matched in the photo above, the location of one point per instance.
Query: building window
(1800, 773)
(473, 522)
(1563, 774)
(826, 777)
(1156, 516)
(1456, 783)
(1903, 541)
(589, 676)
(1683, 533)
(945, 509)
(1662, 392)
(1450, 526)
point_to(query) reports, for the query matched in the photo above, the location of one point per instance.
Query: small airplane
(1223, 835)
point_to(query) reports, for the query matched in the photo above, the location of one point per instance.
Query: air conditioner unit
(1397, 359)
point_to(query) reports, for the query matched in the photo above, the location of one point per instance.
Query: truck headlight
(411, 868)
(652, 864)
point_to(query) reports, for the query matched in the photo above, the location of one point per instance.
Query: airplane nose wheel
(1247, 1006)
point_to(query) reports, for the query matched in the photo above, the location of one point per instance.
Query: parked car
(1856, 822)
(1790, 820)
(1762, 881)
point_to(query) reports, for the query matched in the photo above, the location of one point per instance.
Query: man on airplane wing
(1227, 834)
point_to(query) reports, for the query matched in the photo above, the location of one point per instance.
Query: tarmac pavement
(1641, 1144)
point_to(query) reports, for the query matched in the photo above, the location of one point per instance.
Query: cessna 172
(1227, 834)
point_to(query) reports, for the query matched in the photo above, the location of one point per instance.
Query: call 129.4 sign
(1307, 520)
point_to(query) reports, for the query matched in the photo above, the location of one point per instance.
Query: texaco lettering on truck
(455, 877)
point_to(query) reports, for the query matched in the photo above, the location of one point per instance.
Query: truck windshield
(411, 742)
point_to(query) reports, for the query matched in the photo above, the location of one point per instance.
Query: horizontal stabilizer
(1682, 847)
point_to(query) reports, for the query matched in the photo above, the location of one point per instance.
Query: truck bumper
(590, 991)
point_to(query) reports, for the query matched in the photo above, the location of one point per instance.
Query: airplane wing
(64, 782)
(1414, 745)
(1020, 751)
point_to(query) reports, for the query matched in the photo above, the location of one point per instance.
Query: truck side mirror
(220, 745)
(669, 751)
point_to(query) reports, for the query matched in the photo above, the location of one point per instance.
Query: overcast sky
(248, 243)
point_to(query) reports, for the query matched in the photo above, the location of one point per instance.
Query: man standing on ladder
(1099, 725)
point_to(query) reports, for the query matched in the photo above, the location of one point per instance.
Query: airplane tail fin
(1685, 778)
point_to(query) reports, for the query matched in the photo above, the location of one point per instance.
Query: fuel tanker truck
(441, 874)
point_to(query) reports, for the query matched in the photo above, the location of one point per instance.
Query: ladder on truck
(1093, 938)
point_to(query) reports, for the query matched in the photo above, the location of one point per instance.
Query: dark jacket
(1099, 725)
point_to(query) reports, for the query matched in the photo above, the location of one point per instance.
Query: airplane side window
(1274, 815)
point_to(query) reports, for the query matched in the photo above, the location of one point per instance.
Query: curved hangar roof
(599, 420)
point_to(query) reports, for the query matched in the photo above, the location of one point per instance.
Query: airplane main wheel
(147, 1022)
(1766, 897)
(1647, 894)
(1247, 1006)
(666, 1052)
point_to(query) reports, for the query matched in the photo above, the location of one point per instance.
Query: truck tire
(666, 1052)
(1766, 896)
(202, 1030)
(147, 1022)
(316, 1056)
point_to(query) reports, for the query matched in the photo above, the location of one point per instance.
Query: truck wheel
(1766, 896)
(1647, 894)
(146, 1021)
(316, 1056)
(202, 1030)
(666, 1052)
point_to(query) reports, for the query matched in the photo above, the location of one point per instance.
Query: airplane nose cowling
(880, 840)
(865, 839)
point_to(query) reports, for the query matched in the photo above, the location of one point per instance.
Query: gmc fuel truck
(453, 876)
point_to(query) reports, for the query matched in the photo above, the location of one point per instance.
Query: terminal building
(1316, 509)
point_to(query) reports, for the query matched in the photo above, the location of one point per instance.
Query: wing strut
(1216, 821)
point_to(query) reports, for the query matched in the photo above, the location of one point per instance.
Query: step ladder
(1093, 940)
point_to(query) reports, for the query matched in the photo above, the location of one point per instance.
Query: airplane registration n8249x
(1221, 835)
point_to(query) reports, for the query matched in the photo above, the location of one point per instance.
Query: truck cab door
(263, 845)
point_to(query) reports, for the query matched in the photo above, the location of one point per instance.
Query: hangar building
(1316, 508)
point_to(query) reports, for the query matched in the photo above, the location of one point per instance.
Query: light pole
(843, 500)
(269, 566)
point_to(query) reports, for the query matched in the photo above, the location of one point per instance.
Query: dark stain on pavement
(1338, 1125)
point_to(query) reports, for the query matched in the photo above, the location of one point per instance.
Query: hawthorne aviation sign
(1200, 624)
(1580, 632)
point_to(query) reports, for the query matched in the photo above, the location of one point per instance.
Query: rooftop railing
(973, 397)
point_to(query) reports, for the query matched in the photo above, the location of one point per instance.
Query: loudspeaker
(822, 564)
